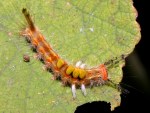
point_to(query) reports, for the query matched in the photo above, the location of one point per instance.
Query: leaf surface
(91, 31)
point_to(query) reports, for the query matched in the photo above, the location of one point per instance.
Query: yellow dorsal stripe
(60, 63)
(76, 73)
(82, 73)
(69, 70)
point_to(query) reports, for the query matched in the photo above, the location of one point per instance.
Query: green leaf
(91, 31)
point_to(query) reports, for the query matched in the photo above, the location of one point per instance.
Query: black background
(136, 73)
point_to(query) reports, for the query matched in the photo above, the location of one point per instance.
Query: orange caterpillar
(74, 76)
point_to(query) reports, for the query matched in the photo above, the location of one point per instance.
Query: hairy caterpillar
(75, 76)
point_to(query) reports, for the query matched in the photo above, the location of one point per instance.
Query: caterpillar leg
(83, 89)
(73, 88)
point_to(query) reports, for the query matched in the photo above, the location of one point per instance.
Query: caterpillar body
(74, 76)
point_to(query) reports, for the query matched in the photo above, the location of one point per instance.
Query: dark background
(136, 73)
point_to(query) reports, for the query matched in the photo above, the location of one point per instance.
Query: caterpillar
(74, 76)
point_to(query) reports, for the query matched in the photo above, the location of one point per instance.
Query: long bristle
(114, 61)
(117, 86)
(28, 18)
